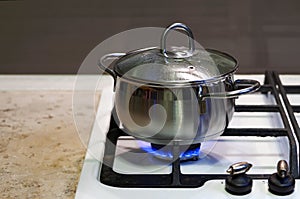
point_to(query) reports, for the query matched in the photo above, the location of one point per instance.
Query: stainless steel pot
(184, 95)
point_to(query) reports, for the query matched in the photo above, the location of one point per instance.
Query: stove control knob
(239, 168)
(282, 182)
(238, 182)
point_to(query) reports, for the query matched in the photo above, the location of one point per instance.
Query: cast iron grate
(272, 84)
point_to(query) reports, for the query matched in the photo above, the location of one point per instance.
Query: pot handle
(105, 68)
(245, 85)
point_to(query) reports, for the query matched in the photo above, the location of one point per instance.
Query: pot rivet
(191, 67)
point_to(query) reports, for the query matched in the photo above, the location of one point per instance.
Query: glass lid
(177, 65)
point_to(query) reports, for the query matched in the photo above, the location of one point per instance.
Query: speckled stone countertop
(41, 153)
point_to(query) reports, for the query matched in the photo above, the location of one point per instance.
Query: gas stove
(263, 131)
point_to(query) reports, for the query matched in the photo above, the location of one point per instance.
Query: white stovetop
(263, 153)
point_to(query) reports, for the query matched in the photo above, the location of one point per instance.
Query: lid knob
(187, 31)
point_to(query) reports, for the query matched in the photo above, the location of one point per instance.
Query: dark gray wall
(55, 36)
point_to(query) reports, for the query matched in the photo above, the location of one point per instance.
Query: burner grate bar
(257, 108)
(294, 89)
(176, 166)
(273, 79)
(274, 132)
(265, 88)
(294, 123)
(296, 109)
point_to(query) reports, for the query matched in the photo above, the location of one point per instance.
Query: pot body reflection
(164, 114)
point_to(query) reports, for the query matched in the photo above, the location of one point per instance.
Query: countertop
(41, 152)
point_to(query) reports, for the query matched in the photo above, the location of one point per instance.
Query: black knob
(282, 182)
(238, 182)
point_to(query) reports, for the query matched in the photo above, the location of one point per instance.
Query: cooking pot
(183, 95)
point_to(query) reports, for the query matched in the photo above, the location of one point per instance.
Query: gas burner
(187, 152)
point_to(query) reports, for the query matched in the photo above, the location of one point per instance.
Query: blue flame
(166, 154)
